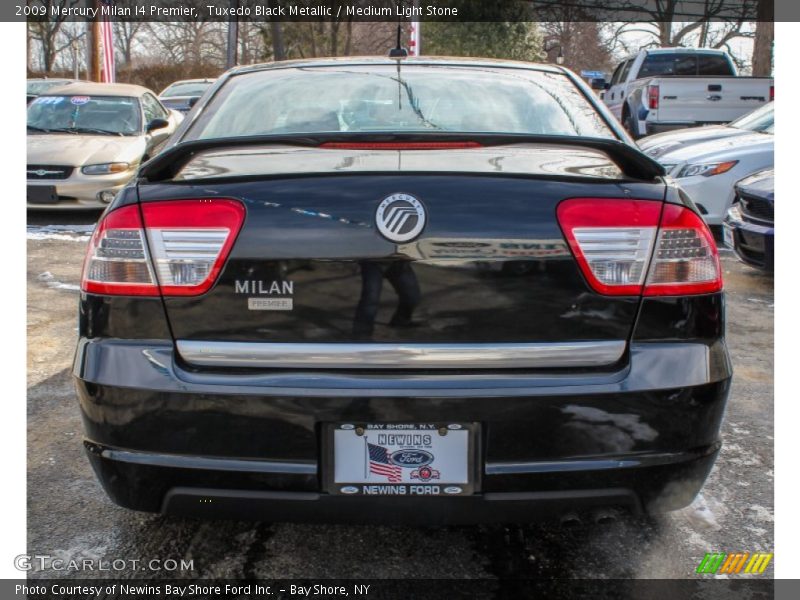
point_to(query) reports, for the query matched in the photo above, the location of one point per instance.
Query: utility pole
(95, 45)
(233, 36)
(75, 47)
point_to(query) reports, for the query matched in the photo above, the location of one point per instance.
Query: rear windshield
(685, 65)
(418, 98)
(110, 115)
(186, 89)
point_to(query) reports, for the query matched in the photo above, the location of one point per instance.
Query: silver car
(85, 142)
(761, 120)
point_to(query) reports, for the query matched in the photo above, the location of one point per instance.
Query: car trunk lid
(489, 280)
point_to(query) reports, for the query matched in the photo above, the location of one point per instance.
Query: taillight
(613, 242)
(685, 260)
(652, 96)
(771, 93)
(117, 261)
(187, 243)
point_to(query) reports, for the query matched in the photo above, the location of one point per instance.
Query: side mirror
(192, 101)
(606, 86)
(157, 124)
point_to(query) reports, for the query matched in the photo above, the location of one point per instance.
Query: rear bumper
(164, 439)
(513, 492)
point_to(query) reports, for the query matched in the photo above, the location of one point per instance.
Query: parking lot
(69, 516)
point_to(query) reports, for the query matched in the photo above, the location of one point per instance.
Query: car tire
(627, 123)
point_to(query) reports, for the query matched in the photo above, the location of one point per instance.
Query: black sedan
(182, 95)
(749, 227)
(551, 337)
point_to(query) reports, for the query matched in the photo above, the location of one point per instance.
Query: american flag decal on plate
(379, 463)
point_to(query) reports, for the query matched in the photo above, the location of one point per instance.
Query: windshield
(761, 119)
(110, 115)
(39, 87)
(197, 88)
(421, 98)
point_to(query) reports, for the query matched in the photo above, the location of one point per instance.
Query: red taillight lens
(613, 241)
(399, 145)
(652, 97)
(771, 93)
(117, 261)
(188, 241)
(685, 260)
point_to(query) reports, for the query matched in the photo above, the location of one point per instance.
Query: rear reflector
(188, 241)
(613, 242)
(399, 145)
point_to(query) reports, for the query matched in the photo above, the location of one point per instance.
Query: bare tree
(580, 42)
(251, 43)
(663, 23)
(308, 39)
(46, 33)
(71, 37)
(125, 34)
(190, 42)
(373, 38)
(764, 39)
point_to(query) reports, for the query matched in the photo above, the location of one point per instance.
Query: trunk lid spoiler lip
(631, 161)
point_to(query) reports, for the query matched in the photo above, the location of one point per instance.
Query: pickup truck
(670, 88)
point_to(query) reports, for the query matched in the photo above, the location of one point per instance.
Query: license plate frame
(42, 194)
(406, 488)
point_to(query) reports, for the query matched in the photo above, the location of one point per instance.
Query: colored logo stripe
(722, 563)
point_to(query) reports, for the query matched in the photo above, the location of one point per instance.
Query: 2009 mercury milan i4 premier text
(442, 291)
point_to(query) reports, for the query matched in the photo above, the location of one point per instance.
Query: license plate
(419, 459)
(727, 236)
(42, 194)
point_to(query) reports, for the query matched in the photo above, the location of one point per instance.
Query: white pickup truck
(670, 88)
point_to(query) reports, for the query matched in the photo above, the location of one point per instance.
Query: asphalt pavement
(70, 517)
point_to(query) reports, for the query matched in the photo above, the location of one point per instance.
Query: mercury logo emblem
(400, 217)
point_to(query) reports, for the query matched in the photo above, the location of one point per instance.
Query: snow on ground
(70, 233)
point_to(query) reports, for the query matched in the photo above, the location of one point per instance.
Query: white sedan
(708, 171)
(760, 120)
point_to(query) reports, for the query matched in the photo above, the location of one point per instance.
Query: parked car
(182, 95)
(672, 88)
(36, 87)
(760, 120)
(709, 171)
(238, 356)
(749, 227)
(86, 140)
